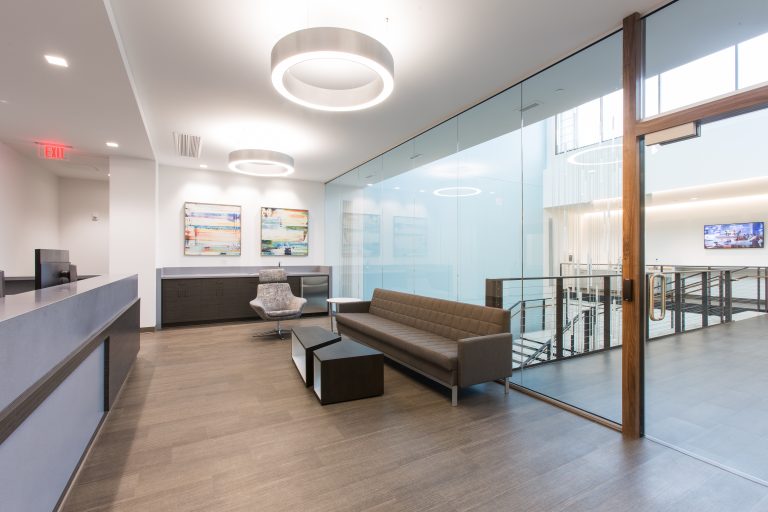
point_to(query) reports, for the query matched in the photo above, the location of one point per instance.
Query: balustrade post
(606, 312)
(705, 299)
(494, 293)
(728, 297)
(587, 329)
(678, 302)
(559, 317)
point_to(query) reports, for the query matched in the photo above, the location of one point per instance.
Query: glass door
(706, 205)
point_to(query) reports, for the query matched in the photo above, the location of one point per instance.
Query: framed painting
(284, 232)
(211, 229)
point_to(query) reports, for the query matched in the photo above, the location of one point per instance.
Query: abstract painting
(211, 229)
(284, 232)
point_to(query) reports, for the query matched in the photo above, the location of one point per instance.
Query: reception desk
(65, 352)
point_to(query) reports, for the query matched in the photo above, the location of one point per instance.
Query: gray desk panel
(40, 329)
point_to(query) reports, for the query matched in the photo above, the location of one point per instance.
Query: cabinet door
(249, 287)
(180, 300)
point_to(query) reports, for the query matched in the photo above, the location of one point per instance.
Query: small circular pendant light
(260, 162)
(334, 69)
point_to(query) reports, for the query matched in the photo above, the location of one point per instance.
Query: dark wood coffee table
(304, 341)
(347, 370)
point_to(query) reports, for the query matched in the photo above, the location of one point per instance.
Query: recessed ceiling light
(333, 69)
(369, 184)
(396, 188)
(457, 191)
(3, 101)
(422, 190)
(57, 61)
(260, 162)
(108, 175)
(694, 199)
(592, 171)
(491, 192)
(113, 145)
(203, 166)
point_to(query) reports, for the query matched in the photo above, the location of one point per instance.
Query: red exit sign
(52, 151)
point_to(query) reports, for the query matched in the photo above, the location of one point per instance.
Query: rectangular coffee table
(347, 370)
(304, 341)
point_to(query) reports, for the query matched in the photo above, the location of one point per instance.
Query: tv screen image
(743, 235)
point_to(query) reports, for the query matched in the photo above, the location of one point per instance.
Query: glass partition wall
(706, 204)
(518, 194)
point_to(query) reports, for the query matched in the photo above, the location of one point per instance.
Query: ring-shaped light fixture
(457, 191)
(260, 162)
(332, 44)
(573, 158)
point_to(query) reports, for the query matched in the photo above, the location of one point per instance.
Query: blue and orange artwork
(211, 229)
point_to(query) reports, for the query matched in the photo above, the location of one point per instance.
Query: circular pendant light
(335, 69)
(457, 191)
(260, 162)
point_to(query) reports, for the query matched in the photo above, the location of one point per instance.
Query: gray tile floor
(706, 391)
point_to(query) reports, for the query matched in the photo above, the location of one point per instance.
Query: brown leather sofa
(450, 342)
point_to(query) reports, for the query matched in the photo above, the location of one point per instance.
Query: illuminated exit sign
(52, 151)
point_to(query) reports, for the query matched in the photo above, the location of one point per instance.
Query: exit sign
(52, 151)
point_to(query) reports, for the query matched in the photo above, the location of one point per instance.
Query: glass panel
(699, 49)
(706, 204)
(753, 64)
(569, 313)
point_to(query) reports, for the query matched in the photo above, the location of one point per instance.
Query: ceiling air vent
(530, 106)
(187, 145)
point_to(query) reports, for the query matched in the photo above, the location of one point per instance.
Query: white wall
(86, 239)
(675, 233)
(132, 225)
(179, 185)
(29, 208)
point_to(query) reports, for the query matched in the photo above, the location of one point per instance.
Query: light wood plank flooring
(212, 419)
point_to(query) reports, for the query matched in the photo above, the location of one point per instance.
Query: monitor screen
(743, 235)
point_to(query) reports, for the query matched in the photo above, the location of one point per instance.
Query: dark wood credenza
(196, 299)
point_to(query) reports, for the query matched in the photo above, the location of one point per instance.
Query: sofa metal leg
(506, 385)
(454, 395)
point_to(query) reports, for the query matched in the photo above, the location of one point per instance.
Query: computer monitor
(52, 268)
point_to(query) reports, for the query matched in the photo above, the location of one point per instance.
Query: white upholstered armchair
(275, 301)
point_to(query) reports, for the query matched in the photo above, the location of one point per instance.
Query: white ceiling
(82, 106)
(202, 67)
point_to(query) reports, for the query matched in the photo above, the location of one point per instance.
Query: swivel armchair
(274, 301)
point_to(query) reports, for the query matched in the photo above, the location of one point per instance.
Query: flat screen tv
(742, 235)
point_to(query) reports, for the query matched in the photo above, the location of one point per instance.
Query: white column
(133, 226)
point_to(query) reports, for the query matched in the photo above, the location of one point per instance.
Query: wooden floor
(214, 420)
(705, 391)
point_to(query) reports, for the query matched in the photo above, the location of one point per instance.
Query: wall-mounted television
(741, 235)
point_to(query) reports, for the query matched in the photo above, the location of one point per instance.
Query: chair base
(279, 332)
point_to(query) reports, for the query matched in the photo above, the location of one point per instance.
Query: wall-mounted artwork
(410, 236)
(360, 228)
(743, 235)
(211, 229)
(284, 232)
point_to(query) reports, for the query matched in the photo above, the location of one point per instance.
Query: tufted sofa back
(454, 320)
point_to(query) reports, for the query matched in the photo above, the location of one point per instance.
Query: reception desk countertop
(12, 306)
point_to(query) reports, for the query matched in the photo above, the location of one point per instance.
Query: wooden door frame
(633, 190)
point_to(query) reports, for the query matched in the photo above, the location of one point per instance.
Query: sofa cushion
(431, 347)
(446, 318)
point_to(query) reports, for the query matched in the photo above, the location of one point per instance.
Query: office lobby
(373, 255)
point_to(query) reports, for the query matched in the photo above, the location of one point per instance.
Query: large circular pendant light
(329, 68)
(260, 162)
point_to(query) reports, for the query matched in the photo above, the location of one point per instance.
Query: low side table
(304, 341)
(333, 301)
(347, 370)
